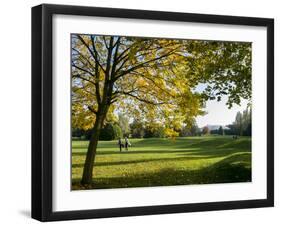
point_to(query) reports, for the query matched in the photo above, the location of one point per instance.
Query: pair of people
(126, 144)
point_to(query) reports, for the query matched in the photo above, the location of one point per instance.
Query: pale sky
(219, 114)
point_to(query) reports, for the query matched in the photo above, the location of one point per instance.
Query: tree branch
(144, 63)
(97, 85)
(89, 49)
(151, 80)
(85, 79)
(122, 54)
(116, 46)
(117, 41)
(123, 63)
(92, 110)
(85, 58)
(108, 61)
(140, 99)
(104, 40)
(82, 69)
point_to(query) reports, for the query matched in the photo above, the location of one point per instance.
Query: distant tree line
(136, 129)
(221, 131)
(121, 127)
(110, 131)
(242, 126)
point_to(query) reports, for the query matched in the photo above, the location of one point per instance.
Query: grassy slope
(156, 162)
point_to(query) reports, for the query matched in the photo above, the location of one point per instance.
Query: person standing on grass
(120, 144)
(127, 143)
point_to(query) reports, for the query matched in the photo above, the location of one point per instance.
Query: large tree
(153, 79)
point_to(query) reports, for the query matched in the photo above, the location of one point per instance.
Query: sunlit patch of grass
(159, 162)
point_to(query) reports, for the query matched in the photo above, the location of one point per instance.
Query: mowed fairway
(163, 162)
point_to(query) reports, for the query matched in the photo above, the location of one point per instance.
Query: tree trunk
(92, 147)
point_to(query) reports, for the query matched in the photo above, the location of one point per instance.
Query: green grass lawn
(162, 162)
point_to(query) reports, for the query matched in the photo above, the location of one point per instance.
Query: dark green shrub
(110, 132)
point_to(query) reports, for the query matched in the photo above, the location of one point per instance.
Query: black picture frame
(42, 111)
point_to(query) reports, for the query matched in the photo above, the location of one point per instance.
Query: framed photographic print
(146, 112)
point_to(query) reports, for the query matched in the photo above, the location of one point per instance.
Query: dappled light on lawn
(162, 162)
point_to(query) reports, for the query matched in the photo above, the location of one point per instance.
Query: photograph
(144, 112)
(156, 111)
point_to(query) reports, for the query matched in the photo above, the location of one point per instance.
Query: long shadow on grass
(132, 152)
(176, 147)
(219, 151)
(199, 141)
(179, 158)
(156, 142)
(236, 168)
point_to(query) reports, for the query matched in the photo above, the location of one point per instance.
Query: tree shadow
(181, 156)
(181, 145)
(235, 168)
(215, 152)
(111, 163)
(132, 152)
